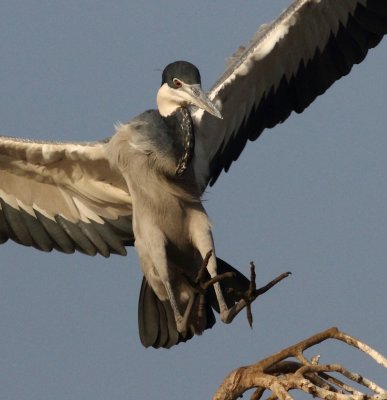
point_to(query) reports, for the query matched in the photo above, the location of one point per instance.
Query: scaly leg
(202, 239)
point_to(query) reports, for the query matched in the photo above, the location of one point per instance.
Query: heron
(143, 186)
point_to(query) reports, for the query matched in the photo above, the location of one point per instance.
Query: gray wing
(286, 66)
(63, 196)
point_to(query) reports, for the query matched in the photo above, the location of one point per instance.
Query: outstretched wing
(63, 196)
(286, 66)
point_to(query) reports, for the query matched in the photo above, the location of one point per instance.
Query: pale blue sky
(310, 196)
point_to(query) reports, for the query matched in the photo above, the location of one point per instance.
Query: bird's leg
(202, 283)
(211, 268)
(181, 320)
(210, 258)
(201, 235)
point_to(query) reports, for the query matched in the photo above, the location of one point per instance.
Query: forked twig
(280, 376)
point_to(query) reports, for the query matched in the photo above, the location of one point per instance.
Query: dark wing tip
(46, 234)
(363, 30)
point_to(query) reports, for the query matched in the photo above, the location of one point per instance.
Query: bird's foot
(247, 297)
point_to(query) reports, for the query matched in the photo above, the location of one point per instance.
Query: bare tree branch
(279, 375)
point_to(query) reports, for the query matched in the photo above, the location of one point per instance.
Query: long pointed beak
(199, 98)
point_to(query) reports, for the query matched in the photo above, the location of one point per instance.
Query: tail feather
(148, 315)
(156, 322)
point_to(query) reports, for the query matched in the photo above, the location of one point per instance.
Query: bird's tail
(156, 321)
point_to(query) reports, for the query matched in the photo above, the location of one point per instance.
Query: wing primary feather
(122, 225)
(379, 7)
(361, 36)
(337, 57)
(114, 242)
(82, 243)
(17, 229)
(372, 21)
(354, 44)
(42, 240)
(4, 228)
(61, 240)
(93, 235)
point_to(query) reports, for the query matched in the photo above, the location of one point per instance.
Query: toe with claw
(247, 297)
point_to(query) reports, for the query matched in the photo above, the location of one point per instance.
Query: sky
(310, 196)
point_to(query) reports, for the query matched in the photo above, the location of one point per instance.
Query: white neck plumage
(168, 100)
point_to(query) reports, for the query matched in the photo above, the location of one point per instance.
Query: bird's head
(180, 87)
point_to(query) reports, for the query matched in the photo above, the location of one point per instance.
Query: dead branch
(279, 375)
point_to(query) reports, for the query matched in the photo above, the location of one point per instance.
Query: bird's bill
(199, 98)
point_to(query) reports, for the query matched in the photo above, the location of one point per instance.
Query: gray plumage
(143, 186)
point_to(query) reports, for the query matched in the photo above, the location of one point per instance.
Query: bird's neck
(180, 127)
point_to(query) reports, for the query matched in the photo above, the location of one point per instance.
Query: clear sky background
(310, 196)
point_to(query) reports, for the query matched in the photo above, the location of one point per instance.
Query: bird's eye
(177, 83)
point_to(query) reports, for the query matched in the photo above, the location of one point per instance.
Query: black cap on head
(183, 70)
